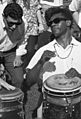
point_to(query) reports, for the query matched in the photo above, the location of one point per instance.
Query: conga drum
(62, 97)
(11, 104)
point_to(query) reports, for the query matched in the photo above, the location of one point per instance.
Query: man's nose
(53, 24)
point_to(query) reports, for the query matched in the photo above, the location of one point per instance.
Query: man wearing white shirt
(57, 57)
(12, 44)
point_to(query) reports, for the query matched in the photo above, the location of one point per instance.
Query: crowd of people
(39, 39)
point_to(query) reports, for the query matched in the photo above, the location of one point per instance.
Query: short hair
(13, 10)
(66, 13)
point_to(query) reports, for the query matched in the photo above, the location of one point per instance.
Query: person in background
(11, 38)
(30, 17)
(60, 56)
(75, 7)
(46, 33)
(76, 12)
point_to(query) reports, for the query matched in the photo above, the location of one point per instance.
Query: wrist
(41, 62)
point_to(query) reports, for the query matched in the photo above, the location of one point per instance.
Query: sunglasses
(58, 20)
(10, 24)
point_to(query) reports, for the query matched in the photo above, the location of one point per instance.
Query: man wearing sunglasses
(12, 45)
(60, 56)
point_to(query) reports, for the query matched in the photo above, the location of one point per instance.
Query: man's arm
(21, 45)
(33, 74)
(22, 41)
(76, 17)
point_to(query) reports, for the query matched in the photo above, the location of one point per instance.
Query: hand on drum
(46, 56)
(72, 73)
(6, 85)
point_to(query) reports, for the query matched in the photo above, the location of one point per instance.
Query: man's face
(58, 25)
(11, 23)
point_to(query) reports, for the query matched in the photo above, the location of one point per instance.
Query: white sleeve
(35, 58)
(39, 53)
(21, 49)
(74, 5)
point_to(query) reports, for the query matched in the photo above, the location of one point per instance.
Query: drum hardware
(11, 104)
(0, 115)
(21, 100)
(69, 108)
(65, 100)
(21, 114)
(7, 109)
(59, 94)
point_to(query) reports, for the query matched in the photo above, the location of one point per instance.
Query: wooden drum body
(11, 104)
(62, 98)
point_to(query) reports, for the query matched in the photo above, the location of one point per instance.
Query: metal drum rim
(61, 90)
(12, 96)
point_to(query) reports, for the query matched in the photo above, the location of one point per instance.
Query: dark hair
(55, 10)
(13, 10)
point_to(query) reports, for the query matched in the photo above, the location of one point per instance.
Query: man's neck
(64, 40)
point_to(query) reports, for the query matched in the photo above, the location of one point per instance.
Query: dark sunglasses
(58, 20)
(10, 24)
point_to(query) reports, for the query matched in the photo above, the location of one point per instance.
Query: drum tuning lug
(73, 108)
(20, 101)
(66, 107)
(47, 104)
(21, 114)
(66, 111)
(0, 115)
(64, 99)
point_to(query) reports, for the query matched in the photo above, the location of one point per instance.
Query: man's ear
(68, 22)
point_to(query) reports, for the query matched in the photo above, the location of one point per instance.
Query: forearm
(39, 16)
(32, 76)
(35, 71)
(76, 17)
(21, 49)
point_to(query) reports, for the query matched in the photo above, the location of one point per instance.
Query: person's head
(12, 14)
(59, 19)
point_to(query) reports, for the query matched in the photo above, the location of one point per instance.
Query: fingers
(17, 63)
(72, 73)
(6, 85)
(48, 54)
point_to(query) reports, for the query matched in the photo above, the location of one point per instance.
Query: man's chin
(57, 36)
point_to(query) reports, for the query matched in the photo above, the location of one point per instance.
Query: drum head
(10, 94)
(60, 82)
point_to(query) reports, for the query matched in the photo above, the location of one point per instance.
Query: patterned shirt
(30, 17)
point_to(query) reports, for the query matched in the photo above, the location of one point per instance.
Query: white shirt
(68, 58)
(54, 3)
(75, 5)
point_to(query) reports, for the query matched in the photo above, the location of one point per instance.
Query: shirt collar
(2, 22)
(73, 42)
